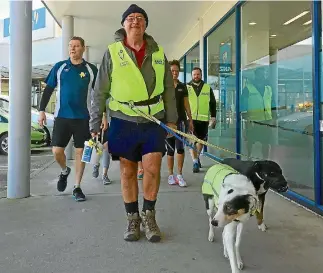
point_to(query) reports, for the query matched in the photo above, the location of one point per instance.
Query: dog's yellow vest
(214, 178)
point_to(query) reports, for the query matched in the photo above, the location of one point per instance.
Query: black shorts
(65, 128)
(201, 129)
(132, 140)
(173, 142)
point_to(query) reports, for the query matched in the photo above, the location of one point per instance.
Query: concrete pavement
(51, 233)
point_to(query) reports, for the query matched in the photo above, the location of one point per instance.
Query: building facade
(282, 41)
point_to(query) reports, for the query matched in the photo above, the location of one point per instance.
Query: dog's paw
(240, 265)
(225, 254)
(211, 237)
(262, 227)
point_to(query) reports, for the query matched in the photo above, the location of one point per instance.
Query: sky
(5, 10)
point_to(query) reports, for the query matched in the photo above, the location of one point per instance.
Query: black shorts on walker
(65, 128)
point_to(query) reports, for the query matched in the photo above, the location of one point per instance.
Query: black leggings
(173, 142)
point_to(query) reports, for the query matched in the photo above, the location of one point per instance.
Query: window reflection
(277, 93)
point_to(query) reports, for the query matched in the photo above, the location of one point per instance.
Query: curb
(44, 167)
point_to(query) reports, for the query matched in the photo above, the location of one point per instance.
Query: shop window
(192, 60)
(221, 57)
(277, 93)
(181, 71)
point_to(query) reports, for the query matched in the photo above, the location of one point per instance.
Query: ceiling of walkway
(263, 30)
(96, 21)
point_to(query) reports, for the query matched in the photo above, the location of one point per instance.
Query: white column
(0, 80)
(67, 34)
(201, 45)
(20, 68)
(86, 54)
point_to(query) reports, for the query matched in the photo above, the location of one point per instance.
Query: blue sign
(38, 21)
(225, 58)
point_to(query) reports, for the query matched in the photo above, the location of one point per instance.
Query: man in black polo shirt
(184, 123)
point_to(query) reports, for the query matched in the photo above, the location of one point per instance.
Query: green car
(38, 136)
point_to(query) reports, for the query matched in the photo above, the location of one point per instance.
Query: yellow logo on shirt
(82, 74)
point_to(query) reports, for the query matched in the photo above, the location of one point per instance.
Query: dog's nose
(215, 223)
(283, 189)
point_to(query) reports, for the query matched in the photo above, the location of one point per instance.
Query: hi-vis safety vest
(199, 104)
(214, 178)
(259, 108)
(128, 85)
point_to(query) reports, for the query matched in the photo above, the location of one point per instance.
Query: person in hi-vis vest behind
(257, 105)
(203, 105)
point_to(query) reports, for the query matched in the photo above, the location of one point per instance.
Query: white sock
(77, 186)
(65, 171)
(195, 161)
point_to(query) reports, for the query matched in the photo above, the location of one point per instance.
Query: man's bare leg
(79, 166)
(195, 156)
(129, 187)
(151, 181)
(60, 158)
(129, 182)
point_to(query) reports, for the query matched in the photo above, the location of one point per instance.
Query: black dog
(264, 174)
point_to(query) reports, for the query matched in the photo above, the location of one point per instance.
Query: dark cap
(134, 9)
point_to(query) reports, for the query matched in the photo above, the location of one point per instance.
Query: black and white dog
(234, 198)
(264, 174)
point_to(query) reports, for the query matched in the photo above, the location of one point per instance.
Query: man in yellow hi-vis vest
(203, 105)
(257, 103)
(135, 71)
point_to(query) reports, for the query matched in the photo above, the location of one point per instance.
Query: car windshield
(4, 104)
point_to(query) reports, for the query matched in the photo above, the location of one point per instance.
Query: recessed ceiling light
(307, 23)
(296, 17)
(252, 23)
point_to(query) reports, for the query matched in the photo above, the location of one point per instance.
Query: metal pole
(317, 98)
(20, 99)
(238, 79)
(201, 37)
(86, 54)
(67, 34)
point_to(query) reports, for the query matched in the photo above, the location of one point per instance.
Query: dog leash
(191, 137)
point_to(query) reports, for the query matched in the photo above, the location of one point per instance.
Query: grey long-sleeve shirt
(102, 87)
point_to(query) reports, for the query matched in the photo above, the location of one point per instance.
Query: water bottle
(87, 152)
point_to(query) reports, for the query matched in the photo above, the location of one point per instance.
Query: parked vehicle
(295, 128)
(38, 135)
(48, 128)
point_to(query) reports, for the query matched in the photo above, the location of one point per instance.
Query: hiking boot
(78, 195)
(132, 232)
(150, 226)
(62, 180)
(95, 172)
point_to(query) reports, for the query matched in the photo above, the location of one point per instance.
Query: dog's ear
(255, 167)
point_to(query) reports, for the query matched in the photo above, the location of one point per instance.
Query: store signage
(38, 21)
(225, 57)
